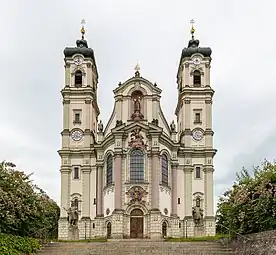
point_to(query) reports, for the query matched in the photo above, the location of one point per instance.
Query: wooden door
(136, 227)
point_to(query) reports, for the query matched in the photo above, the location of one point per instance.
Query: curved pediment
(137, 83)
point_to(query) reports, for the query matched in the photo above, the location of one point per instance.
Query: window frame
(74, 173)
(137, 166)
(198, 172)
(78, 79)
(164, 169)
(197, 78)
(109, 169)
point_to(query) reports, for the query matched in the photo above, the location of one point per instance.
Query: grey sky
(122, 33)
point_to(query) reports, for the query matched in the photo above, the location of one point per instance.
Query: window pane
(109, 169)
(164, 169)
(197, 172)
(76, 173)
(137, 166)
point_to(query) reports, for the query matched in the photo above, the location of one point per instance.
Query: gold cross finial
(82, 28)
(192, 29)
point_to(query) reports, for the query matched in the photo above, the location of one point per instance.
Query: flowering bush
(25, 209)
(250, 206)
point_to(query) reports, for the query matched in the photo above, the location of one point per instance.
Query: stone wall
(263, 243)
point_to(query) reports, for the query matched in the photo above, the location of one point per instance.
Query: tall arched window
(109, 169)
(78, 78)
(197, 78)
(165, 169)
(136, 166)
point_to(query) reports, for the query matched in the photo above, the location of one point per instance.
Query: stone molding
(66, 101)
(88, 101)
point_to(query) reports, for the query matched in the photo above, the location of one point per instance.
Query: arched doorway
(164, 229)
(108, 230)
(136, 223)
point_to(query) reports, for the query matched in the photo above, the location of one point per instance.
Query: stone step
(135, 247)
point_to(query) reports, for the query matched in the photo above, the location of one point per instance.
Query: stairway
(133, 247)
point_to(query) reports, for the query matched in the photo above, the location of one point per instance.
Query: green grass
(196, 239)
(84, 241)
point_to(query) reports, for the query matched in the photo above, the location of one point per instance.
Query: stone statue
(198, 214)
(137, 105)
(73, 216)
(172, 126)
(100, 126)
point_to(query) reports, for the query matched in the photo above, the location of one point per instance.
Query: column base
(117, 229)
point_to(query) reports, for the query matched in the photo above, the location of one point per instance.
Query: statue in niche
(172, 126)
(100, 126)
(73, 216)
(198, 214)
(137, 115)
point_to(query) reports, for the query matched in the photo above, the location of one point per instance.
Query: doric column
(65, 196)
(86, 170)
(118, 180)
(174, 189)
(99, 199)
(188, 190)
(155, 181)
(208, 191)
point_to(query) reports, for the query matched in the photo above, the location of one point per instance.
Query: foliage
(16, 245)
(250, 206)
(25, 209)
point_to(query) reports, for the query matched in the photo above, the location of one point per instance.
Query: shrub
(16, 245)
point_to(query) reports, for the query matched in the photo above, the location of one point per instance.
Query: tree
(250, 206)
(25, 209)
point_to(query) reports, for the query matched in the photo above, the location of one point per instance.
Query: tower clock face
(78, 61)
(196, 61)
(77, 135)
(197, 134)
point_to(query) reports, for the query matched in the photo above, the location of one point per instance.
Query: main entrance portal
(136, 224)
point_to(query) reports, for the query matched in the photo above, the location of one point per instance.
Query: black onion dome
(193, 48)
(82, 48)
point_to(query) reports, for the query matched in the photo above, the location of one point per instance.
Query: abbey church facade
(140, 175)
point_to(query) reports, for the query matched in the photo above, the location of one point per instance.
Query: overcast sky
(122, 33)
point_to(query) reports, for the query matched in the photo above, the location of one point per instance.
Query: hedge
(16, 245)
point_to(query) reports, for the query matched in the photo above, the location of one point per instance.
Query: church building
(140, 175)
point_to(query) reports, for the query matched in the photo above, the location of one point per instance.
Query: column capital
(188, 169)
(65, 169)
(86, 169)
(174, 164)
(208, 169)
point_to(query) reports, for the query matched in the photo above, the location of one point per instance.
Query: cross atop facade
(192, 22)
(137, 70)
(82, 28)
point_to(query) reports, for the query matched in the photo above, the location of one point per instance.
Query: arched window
(136, 166)
(197, 78)
(109, 169)
(78, 79)
(164, 169)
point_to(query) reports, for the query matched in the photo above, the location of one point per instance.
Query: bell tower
(194, 121)
(80, 114)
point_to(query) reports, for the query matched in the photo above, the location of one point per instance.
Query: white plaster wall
(109, 201)
(180, 192)
(165, 201)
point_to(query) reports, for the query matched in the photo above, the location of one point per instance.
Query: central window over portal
(137, 166)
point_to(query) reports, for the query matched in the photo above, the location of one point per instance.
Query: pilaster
(174, 189)
(208, 191)
(99, 199)
(155, 181)
(118, 180)
(86, 171)
(65, 191)
(188, 170)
